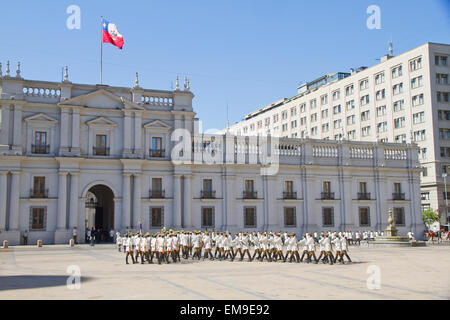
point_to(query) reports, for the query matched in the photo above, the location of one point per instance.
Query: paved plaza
(40, 273)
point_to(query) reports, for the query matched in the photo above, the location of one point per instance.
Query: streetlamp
(444, 175)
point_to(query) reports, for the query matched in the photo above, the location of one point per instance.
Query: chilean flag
(110, 34)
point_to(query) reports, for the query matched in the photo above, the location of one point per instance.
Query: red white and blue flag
(110, 34)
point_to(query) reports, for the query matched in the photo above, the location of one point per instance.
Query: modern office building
(402, 99)
(79, 155)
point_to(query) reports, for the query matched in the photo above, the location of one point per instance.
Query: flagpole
(101, 49)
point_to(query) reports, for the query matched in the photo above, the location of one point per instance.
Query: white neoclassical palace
(78, 155)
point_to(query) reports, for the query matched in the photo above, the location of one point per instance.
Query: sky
(245, 54)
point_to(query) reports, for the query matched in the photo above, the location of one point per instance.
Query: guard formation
(172, 246)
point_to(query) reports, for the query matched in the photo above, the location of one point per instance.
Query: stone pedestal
(5, 244)
(71, 243)
(39, 243)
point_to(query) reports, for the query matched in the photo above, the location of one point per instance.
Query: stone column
(230, 215)
(187, 202)
(126, 201)
(14, 207)
(269, 200)
(73, 205)
(3, 194)
(138, 133)
(117, 215)
(349, 217)
(64, 130)
(177, 220)
(76, 131)
(62, 201)
(188, 123)
(127, 134)
(137, 216)
(17, 134)
(4, 133)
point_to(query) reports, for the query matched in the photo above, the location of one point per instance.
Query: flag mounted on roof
(110, 34)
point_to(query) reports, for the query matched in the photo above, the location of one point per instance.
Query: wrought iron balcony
(100, 151)
(398, 196)
(363, 196)
(39, 194)
(157, 153)
(250, 194)
(327, 195)
(208, 194)
(40, 148)
(157, 194)
(289, 195)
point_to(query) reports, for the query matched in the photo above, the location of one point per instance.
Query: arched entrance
(100, 211)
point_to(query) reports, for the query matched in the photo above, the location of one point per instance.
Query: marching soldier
(190, 243)
(207, 242)
(119, 242)
(329, 254)
(263, 240)
(358, 238)
(143, 247)
(344, 248)
(304, 248)
(245, 246)
(237, 245)
(153, 248)
(197, 244)
(311, 248)
(338, 247)
(137, 245)
(185, 244)
(322, 251)
(278, 248)
(227, 247)
(160, 247)
(129, 249)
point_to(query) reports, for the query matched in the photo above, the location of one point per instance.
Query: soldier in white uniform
(137, 245)
(160, 247)
(327, 246)
(237, 245)
(338, 247)
(227, 247)
(190, 242)
(220, 244)
(245, 241)
(185, 244)
(153, 248)
(344, 249)
(264, 242)
(254, 241)
(293, 248)
(304, 247)
(311, 248)
(207, 243)
(143, 247)
(119, 242)
(322, 251)
(197, 244)
(278, 248)
(358, 238)
(129, 248)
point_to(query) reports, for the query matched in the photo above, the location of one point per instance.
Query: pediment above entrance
(102, 99)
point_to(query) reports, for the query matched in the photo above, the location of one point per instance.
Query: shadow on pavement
(33, 282)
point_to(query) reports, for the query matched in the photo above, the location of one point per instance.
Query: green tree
(429, 217)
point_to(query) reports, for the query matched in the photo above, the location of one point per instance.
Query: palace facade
(79, 155)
